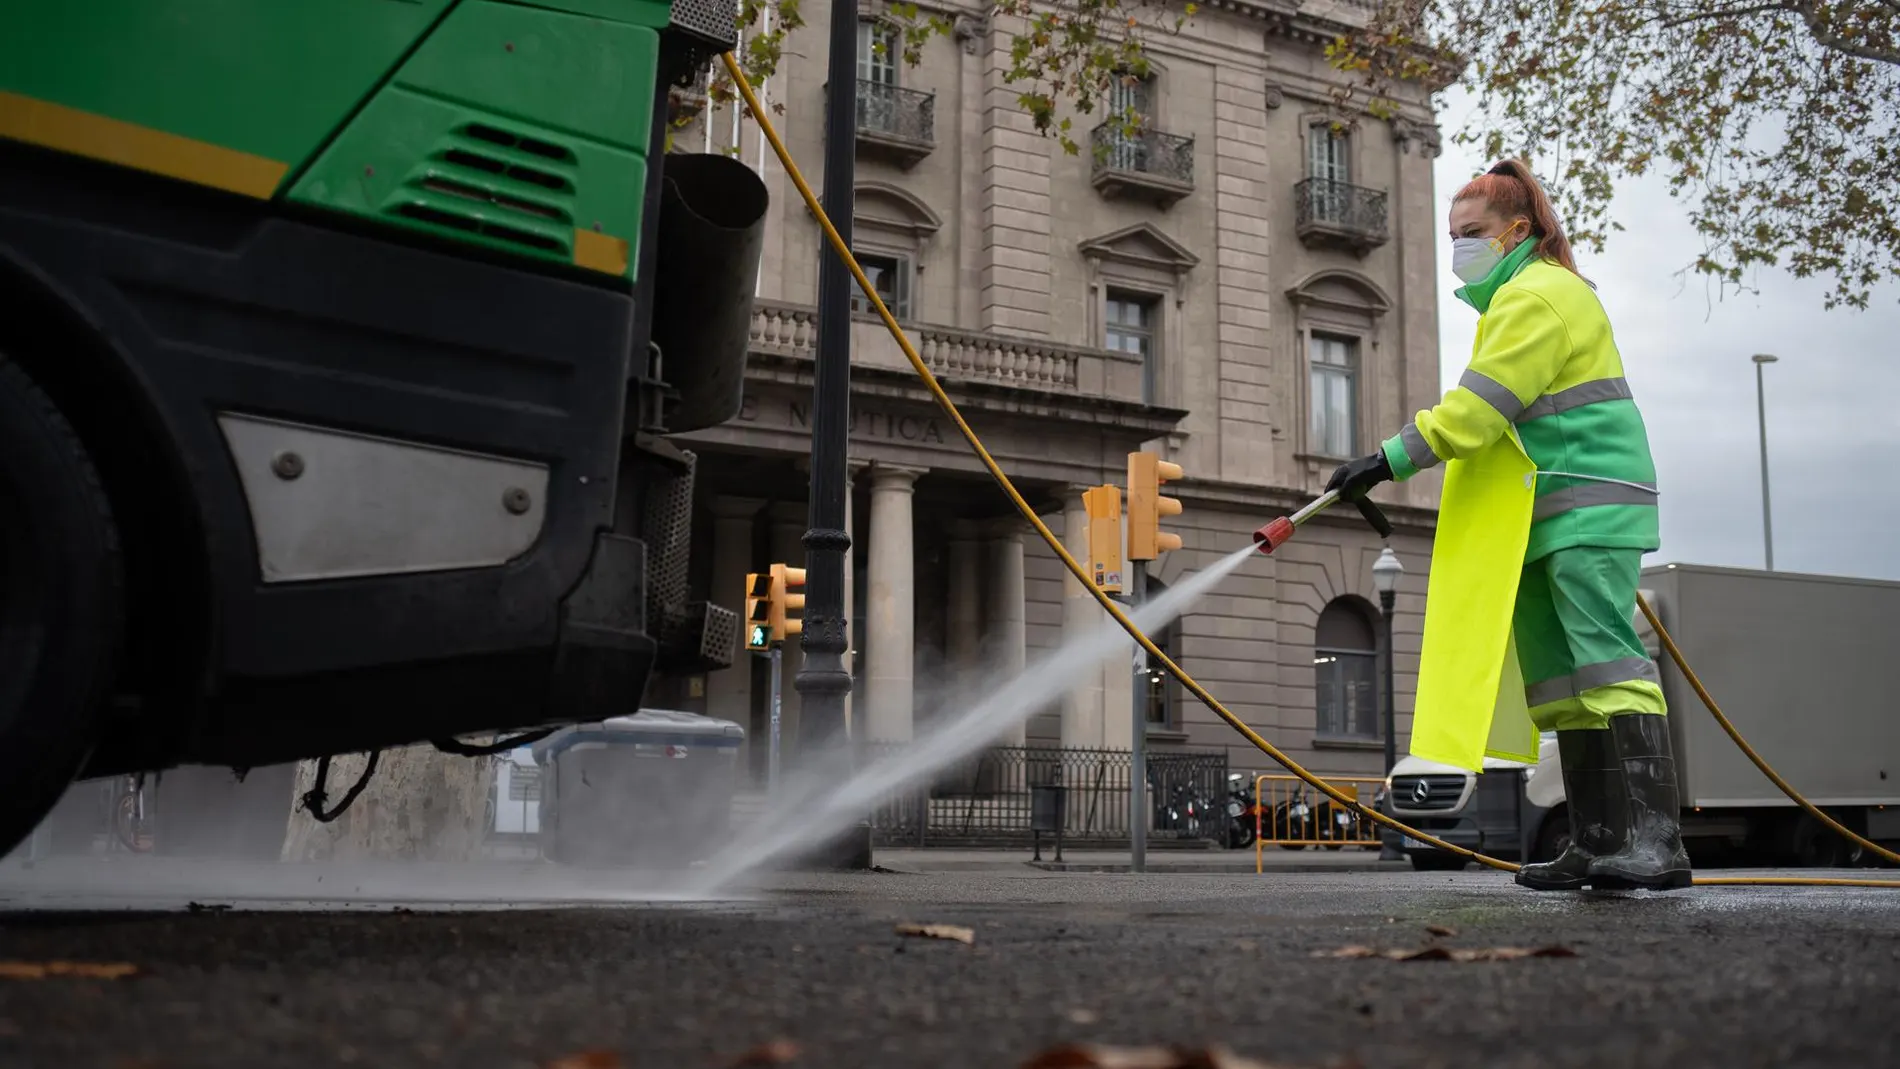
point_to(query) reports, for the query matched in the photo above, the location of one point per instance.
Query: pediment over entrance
(1142, 245)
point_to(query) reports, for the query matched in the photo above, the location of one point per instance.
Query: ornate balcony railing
(1147, 163)
(897, 121)
(791, 331)
(1338, 214)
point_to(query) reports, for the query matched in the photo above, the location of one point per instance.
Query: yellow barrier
(1288, 814)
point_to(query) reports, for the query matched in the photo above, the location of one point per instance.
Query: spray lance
(1274, 535)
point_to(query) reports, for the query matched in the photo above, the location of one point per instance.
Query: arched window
(890, 231)
(1345, 673)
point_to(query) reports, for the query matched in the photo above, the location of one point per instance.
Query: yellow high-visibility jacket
(1544, 449)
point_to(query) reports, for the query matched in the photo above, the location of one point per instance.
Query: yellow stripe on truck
(83, 133)
(600, 252)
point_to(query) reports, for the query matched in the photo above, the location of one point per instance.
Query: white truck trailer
(1808, 669)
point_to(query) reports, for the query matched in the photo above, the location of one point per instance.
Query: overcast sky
(1833, 431)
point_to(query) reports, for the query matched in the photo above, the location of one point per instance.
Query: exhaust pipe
(711, 234)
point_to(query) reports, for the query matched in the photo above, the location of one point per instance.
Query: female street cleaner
(1549, 505)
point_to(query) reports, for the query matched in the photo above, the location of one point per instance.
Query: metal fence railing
(986, 798)
(1289, 814)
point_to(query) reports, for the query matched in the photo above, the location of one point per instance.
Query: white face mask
(1474, 258)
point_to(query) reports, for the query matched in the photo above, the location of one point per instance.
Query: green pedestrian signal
(758, 610)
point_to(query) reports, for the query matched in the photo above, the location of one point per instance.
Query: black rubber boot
(1653, 857)
(1594, 798)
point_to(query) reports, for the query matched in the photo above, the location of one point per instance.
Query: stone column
(1082, 710)
(729, 690)
(853, 468)
(963, 609)
(789, 519)
(890, 606)
(1007, 651)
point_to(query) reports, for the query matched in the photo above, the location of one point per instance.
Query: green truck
(340, 346)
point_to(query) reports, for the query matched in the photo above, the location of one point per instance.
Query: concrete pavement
(1714, 977)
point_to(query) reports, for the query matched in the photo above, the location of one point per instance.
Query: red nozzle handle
(1273, 535)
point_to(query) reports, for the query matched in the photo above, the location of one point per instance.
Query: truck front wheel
(61, 604)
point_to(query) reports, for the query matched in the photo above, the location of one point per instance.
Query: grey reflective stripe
(1584, 393)
(1494, 393)
(1417, 449)
(1564, 499)
(1591, 676)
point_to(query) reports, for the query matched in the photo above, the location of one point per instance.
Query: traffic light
(758, 610)
(1104, 505)
(1146, 506)
(783, 579)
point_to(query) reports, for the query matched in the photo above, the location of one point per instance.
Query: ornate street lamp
(1385, 577)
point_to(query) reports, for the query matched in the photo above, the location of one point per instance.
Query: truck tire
(61, 604)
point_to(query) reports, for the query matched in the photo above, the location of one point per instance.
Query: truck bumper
(1458, 831)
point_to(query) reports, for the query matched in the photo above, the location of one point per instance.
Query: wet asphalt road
(1723, 977)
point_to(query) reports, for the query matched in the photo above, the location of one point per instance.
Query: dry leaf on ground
(1438, 952)
(587, 1059)
(1088, 1056)
(939, 931)
(777, 1052)
(1441, 930)
(40, 970)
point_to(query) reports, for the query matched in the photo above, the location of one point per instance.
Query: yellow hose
(1194, 687)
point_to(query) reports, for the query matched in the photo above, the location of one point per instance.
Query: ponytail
(1510, 190)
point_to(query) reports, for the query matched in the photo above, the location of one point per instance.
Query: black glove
(1356, 477)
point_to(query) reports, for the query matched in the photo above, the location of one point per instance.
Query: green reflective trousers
(1575, 631)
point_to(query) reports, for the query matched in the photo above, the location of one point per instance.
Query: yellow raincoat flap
(1470, 692)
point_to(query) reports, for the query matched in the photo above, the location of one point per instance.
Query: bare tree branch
(1823, 33)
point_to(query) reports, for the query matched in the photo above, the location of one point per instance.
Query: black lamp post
(1385, 577)
(823, 681)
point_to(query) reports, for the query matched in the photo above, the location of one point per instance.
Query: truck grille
(712, 23)
(1441, 792)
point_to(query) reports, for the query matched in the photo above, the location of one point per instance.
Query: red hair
(1511, 191)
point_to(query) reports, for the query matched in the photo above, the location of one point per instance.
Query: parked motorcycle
(1243, 813)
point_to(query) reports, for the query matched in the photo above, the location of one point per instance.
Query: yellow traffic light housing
(1104, 505)
(758, 610)
(1146, 506)
(784, 578)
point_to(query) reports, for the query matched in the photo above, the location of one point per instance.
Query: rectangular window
(878, 50)
(1346, 694)
(1333, 363)
(877, 53)
(1130, 327)
(1329, 163)
(890, 277)
(1129, 96)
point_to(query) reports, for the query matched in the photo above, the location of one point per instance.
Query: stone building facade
(1238, 289)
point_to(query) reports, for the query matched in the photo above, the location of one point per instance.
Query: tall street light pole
(1761, 419)
(822, 682)
(1385, 578)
